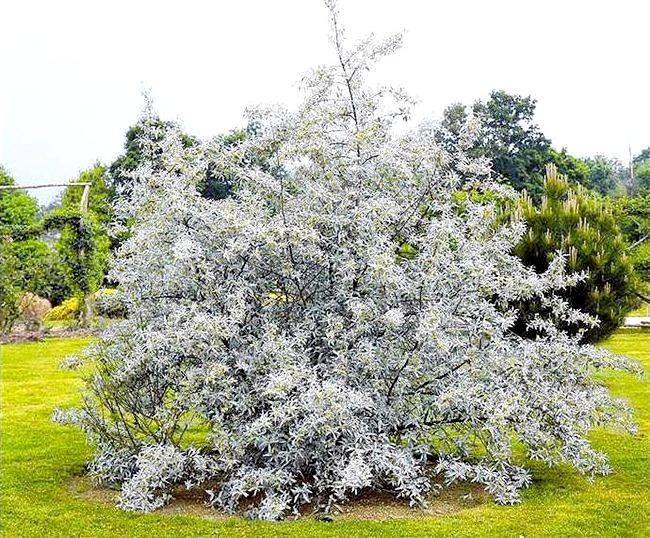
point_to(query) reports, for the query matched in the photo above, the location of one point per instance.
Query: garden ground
(43, 492)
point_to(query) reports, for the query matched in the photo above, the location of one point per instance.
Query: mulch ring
(369, 505)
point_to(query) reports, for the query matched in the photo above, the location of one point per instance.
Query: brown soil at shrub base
(371, 505)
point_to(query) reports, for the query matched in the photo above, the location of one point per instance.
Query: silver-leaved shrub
(340, 325)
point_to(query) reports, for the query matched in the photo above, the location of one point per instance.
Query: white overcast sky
(72, 73)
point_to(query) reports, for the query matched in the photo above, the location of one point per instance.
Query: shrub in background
(83, 248)
(571, 221)
(23, 257)
(640, 255)
(68, 310)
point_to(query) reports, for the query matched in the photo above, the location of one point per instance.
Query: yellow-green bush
(68, 309)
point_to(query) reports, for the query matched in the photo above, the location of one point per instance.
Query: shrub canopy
(283, 345)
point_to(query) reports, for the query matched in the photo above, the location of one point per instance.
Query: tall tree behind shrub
(83, 248)
(633, 217)
(571, 221)
(38, 268)
(17, 220)
(83, 242)
(606, 175)
(9, 291)
(512, 141)
(99, 202)
(214, 186)
(18, 210)
(641, 164)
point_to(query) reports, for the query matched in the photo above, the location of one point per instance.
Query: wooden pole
(631, 190)
(17, 187)
(84, 197)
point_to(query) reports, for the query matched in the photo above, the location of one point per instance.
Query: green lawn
(39, 458)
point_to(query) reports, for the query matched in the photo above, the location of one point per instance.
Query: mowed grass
(40, 458)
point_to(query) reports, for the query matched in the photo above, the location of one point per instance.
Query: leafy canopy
(25, 261)
(519, 150)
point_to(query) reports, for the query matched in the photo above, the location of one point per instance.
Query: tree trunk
(87, 310)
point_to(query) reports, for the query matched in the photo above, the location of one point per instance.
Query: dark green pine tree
(570, 220)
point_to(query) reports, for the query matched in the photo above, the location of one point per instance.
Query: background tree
(99, 199)
(120, 170)
(571, 221)
(82, 245)
(606, 176)
(633, 212)
(18, 210)
(644, 155)
(633, 217)
(83, 250)
(510, 138)
(575, 170)
(28, 263)
(9, 290)
(214, 186)
(453, 121)
(641, 164)
(38, 268)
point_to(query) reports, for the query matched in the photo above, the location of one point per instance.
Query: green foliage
(86, 234)
(582, 227)
(512, 141)
(633, 217)
(453, 120)
(605, 176)
(510, 138)
(18, 210)
(642, 175)
(109, 303)
(33, 265)
(641, 259)
(575, 170)
(52, 282)
(9, 290)
(99, 203)
(644, 155)
(216, 185)
(82, 247)
(119, 170)
(23, 257)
